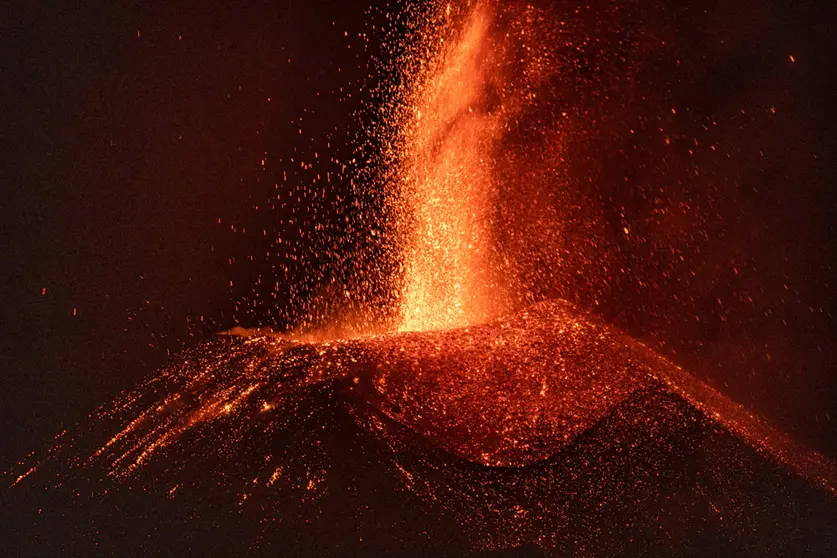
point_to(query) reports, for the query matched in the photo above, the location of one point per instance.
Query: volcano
(545, 431)
(433, 390)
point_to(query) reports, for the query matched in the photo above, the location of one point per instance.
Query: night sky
(129, 130)
(133, 138)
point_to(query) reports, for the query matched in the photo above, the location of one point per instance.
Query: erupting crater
(539, 427)
(520, 388)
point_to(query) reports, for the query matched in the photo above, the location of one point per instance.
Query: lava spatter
(549, 392)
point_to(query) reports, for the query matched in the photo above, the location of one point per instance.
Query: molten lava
(529, 417)
(451, 277)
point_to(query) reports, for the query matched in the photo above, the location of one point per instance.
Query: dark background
(133, 137)
(138, 141)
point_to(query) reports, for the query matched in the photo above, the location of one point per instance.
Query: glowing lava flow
(515, 430)
(509, 392)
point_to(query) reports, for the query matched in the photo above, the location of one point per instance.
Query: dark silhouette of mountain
(424, 444)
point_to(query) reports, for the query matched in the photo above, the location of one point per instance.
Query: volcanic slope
(542, 432)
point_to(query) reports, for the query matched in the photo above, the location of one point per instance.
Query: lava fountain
(517, 422)
(451, 276)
